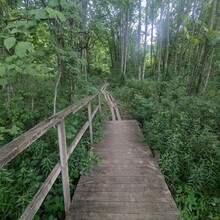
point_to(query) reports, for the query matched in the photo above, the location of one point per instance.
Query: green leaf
(38, 14)
(53, 3)
(18, 69)
(194, 41)
(3, 82)
(55, 14)
(2, 70)
(41, 15)
(64, 4)
(14, 130)
(10, 42)
(22, 47)
(60, 16)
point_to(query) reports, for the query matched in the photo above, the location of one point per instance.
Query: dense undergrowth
(185, 129)
(22, 177)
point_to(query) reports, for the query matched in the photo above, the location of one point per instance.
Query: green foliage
(22, 48)
(185, 131)
(9, 42)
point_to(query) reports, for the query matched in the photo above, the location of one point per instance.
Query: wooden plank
(84, 206)
(94, 112)
(124, 170)
(118, 187)
(39, 197)
(111, 107)
(16, 146)
(158, 196)
(90, 123)
(64, 164)
(99, 101)
(117, 113)
(111, 216)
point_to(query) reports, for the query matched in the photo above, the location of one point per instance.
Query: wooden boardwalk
(127, 184)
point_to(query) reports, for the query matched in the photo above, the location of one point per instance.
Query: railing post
(99, 99)
(90, 122)
(64, 163)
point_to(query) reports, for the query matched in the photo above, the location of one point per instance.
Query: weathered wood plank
(90, 123)
(154, 180)
(110, 216)
(99, 103)
(95, 111)
(114, 207)
(64, 164)
(119, 187)
(115, 108)
(158, 196)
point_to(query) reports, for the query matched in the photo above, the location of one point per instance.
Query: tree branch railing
(16, 146)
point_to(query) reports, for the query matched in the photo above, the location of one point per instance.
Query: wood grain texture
(127, 184)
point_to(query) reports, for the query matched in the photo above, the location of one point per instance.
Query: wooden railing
(16, 146)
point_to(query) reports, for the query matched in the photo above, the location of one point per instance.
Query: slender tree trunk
(59, 45)
(145, 41)
(167, 40)
(83, 36)
(60, 71)
(126, 43)
(122, 43)
(209, 71)
(139, 40)
(152, 35)
(160, 45)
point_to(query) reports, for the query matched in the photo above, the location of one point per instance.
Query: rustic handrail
(16, 146)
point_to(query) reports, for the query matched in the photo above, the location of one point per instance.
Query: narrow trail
(112, 104)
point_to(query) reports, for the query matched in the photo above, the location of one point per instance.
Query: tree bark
(167, 40)
(139, 40)
(152, 35)
(145, 41)
(160, 45)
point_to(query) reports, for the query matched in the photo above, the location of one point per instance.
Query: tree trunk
(167, 40)
(139, 40)
(60, 71)
(145, 41)
(126, 43)
(152, 36)
(160, 45)
(59, 45)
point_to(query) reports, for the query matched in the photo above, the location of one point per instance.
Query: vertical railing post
(90, 122)
(99, 100)
(64, 163)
